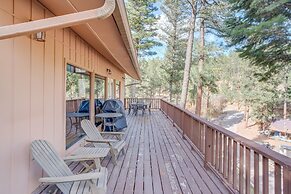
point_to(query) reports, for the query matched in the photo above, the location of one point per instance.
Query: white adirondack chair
(95, 137)
(60, 174)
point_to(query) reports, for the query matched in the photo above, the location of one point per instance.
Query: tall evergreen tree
(174, 37)
(188, 58)
(142, 20)
(201, 60)
(261, 31)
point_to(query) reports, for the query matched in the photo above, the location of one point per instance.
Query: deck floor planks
(186, 181)
(118, 177)
(158, 160)
(192, 177)
(148, 182)
(130, 179)
(164, 176)
(155, 170)
(112, 170)
(206, 176)
(138, 188)
(174, 182)
(131, 175)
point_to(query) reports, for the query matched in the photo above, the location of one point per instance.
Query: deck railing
(246, 166)
(155, 102)
(73, 105)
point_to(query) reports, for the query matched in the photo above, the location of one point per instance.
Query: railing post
(183, 124)
(174, 116)
(208, 147)
(286, 180)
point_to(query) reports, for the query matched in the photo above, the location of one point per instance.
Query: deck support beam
(63, 21)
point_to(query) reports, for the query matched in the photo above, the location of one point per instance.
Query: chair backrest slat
(91, 130)
(47, 157)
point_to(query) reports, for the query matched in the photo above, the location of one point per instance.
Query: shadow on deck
(158, 160)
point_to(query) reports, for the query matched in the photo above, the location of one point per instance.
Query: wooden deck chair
(60, 174)
(95, 137)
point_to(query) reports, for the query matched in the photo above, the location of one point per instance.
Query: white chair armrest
(112, 133)
(102, 141)
(82, 157)
(73, 178)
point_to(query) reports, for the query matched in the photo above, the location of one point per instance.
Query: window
(77, 102)
(99, 97)
(117, 89)
(110, 89)
(99, 88)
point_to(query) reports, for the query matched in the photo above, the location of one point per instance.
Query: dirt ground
(233, 120)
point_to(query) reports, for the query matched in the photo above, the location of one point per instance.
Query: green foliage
(209, 74)
(99, 88)
(77, 86)
(174, 36)
(72, 88)
(261, 31)
(252, 77)
(237, 81)
(152, 78)
(142, 20)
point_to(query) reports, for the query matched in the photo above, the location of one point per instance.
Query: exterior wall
(32, 88)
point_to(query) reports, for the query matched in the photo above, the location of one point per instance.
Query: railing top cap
(249, 144)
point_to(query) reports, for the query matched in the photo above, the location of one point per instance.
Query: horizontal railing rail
(155, 102)
(73, 105)
(245, 165)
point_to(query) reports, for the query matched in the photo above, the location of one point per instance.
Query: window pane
(110, 89)
(99, 88)
(77, 102)
(117, 89)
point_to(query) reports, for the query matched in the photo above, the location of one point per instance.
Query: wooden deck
(158, 160)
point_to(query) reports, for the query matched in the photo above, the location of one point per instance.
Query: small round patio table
(106, 116)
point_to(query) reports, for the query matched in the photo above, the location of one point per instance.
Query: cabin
(59, 57)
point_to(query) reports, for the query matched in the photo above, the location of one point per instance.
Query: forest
(204, 55)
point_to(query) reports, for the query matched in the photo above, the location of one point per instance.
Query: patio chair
(59, 173)
(95, 137)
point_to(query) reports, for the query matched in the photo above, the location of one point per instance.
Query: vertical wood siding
(32, 88)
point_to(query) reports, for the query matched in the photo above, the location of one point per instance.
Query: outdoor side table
(112, 116)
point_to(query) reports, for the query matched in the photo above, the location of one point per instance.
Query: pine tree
(142, 20)
(189, 50)
(174, 37)
(201, 61)
(261, 32)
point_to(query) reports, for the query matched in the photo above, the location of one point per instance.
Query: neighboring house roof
(281, 126)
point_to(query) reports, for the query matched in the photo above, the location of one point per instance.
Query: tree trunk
(285, 95)
(200, 65)
(188, 59)
(207, 104)
(247, 115)
(171, 90)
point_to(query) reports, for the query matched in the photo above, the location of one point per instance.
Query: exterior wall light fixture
(108, 71)
(39, 36)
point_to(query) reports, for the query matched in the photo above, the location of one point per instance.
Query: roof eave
(120, 17)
